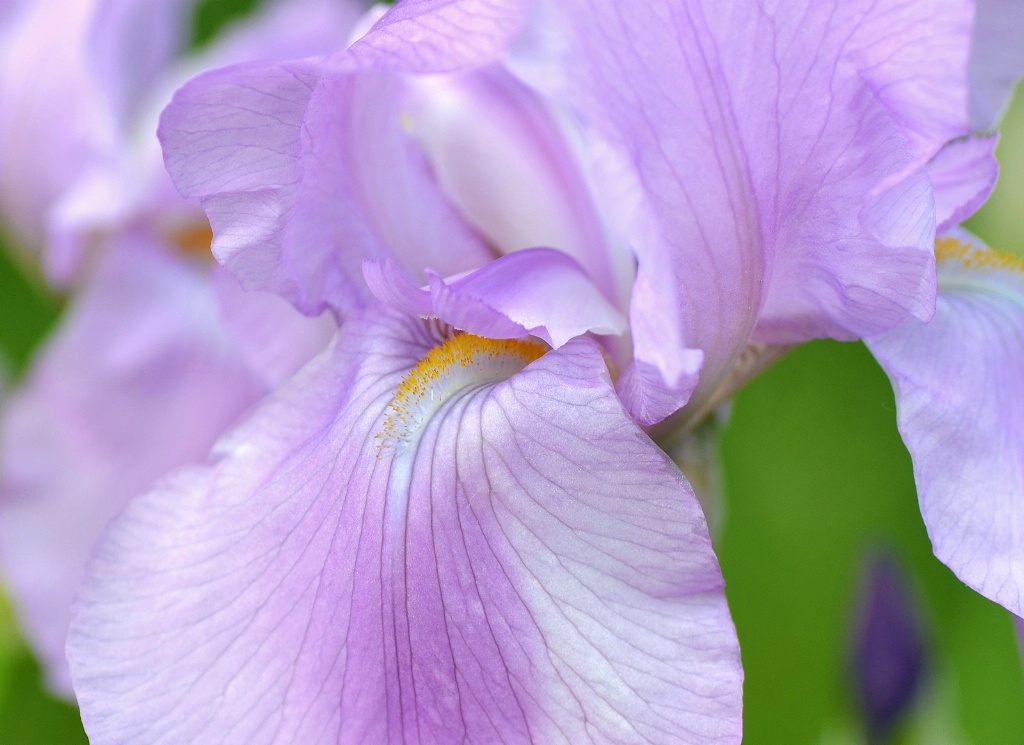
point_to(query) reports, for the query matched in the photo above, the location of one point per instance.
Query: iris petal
(536, 291)
(963, 175)
(313, 154)
(997, 59)
(527, 567)
(767, 147)
(960, 410)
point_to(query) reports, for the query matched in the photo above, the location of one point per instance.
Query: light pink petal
(541, 289)
(519, 563)
(8, 9)
(393, 287)
(960, 408)
(132, 184)
(305, 169)
(914, 62)
(547, 293)
(650, 398)
(108, 194)
(113, 64)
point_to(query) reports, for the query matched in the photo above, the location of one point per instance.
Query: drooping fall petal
(960, 410)
(408, 544)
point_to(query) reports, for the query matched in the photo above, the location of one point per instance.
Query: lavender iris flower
(158, 352)
(541, 226)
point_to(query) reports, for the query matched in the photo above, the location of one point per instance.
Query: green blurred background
(815, 478)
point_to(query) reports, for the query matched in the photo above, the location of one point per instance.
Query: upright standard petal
(769, 147)
(421, 539)
(306, 169)
(997, 59)
(447, 35)
(960, 409)
(514, 171)
(294, 161)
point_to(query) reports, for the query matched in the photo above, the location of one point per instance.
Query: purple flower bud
(888, 655)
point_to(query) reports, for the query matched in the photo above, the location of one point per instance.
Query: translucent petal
(515, 561)
(960, 407)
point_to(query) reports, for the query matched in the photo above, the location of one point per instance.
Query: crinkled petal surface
(138, 379)
(960, 408)
(766, 143)
(519, 564)
(305, 169)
